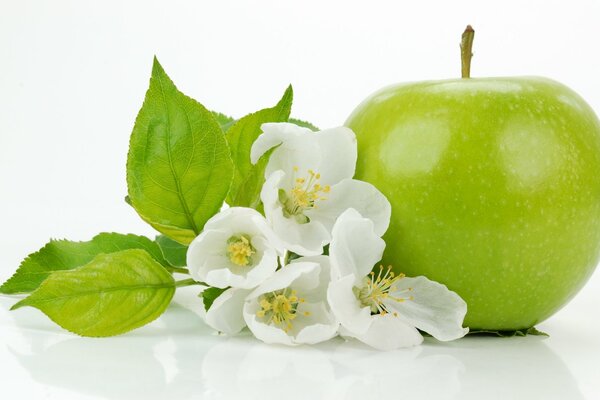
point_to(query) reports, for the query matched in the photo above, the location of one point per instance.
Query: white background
(72, 78)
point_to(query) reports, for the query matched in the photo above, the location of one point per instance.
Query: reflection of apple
(495, 190)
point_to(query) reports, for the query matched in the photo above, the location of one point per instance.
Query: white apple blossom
(291, 306)
(309, 184)
(237, 248)
(378, 307)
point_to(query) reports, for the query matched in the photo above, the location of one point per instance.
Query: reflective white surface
(178, 357)
(74, 74)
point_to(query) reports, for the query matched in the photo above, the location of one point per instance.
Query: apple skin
(495, 190)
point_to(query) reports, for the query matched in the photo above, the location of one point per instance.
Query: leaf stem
(466, 51)
(187, 282)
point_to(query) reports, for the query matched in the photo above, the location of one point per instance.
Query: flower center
(280, 307)
(303, 196)
(376, 291)
(239, 250)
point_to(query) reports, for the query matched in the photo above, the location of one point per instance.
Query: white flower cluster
(311, 201)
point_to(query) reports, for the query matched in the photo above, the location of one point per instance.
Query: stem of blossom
(188, 282)
(179, 270)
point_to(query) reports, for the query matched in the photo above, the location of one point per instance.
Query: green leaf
(224, 121)
(519, 332)
(535, 332)
(248, 178)
(179, 168)
(112, 294)
(209, 295)
(304, 124)
(290, 256)
(248, 193)
(60, 255)
(174, 252)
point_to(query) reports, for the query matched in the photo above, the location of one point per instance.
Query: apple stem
(466, 51)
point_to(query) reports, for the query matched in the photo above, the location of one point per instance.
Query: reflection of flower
(291, 307)
(416, 374)
(236, 248)
(378, 307)
(238, 369)
(309, 184)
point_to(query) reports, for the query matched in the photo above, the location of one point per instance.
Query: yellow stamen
(239, 250)
(305, 195)
(379, 290)
(280, 308)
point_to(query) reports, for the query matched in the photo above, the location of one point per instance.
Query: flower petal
(351, 193)
(207, 257)
(275, 134)
(338, 150)
(303, 239)
(355, 247)
(223, 277)
(296, 148)
(269, 194)
(263, 270)
(433, 308)
(225, 314)
(206, 247)
(318, 326)
(387, 332)
(313, 322)
(323, 279)
(284, 277)
(243, 277)
(346, 307)
(223, 219)
(269, 238)
(267, 333)
(331, 152)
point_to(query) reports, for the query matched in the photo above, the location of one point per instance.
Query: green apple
(495, 190)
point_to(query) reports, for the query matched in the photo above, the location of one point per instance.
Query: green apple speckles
(494, 187)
